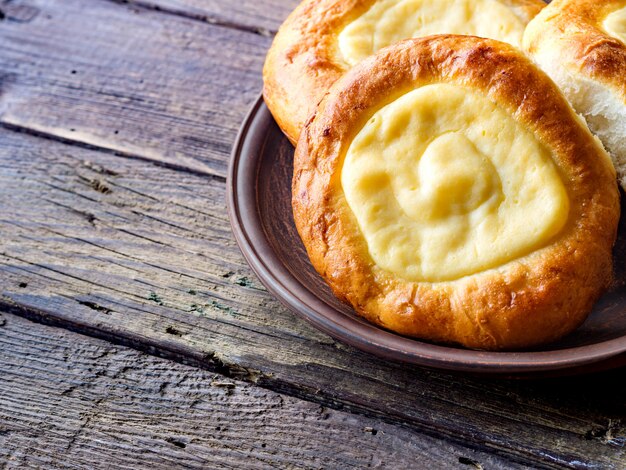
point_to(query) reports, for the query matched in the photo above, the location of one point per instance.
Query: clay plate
(259, 200)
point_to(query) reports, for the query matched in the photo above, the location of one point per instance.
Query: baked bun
(322, 39)
(581, 44)
(447, 190)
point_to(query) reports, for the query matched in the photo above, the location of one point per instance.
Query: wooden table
(133, 333)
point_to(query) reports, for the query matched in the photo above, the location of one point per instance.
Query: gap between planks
(203, 18)
(118, 153)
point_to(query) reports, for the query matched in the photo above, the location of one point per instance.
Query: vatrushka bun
(448, 191)
(322, 39)
(581, 44)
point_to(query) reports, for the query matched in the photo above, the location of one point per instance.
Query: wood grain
(129, 80)
(141, 255)
(96, 238)
(262, 18)
(84, 401)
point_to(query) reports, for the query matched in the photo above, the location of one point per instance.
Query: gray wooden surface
(116, 122)
(72, 401)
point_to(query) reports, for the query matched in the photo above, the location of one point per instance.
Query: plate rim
(386, 344)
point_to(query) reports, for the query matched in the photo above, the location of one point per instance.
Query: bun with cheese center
(581, 44)
(322, 39)
(447, 190)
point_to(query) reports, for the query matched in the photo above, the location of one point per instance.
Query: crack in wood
(95, 306)
(203, 18)
(88, 216)
(470, 462)
(97, 168)
(96, 184)
(118, 153)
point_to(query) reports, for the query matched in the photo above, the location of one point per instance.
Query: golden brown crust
(573, 30)
(535, 299)
(302, 63)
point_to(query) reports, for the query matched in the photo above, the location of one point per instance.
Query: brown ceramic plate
(259, 199)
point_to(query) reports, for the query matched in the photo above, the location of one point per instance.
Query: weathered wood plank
(84, 403)
(142, 255)
(131, 80)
